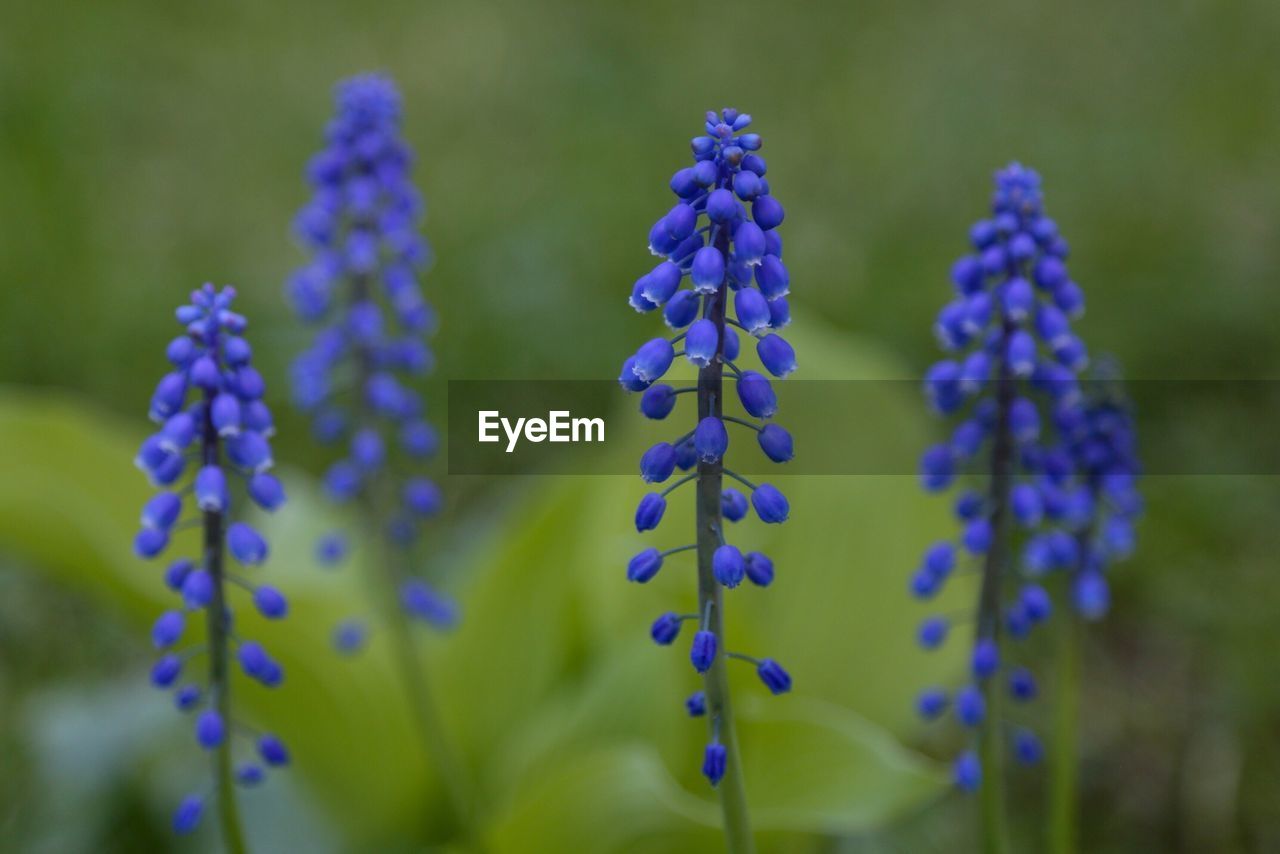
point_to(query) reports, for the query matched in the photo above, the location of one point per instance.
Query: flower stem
(438, 745)
(733, 794)
(1062, 759)
(990, 745)
(218, 643)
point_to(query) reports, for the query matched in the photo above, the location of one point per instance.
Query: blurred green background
(146, 148)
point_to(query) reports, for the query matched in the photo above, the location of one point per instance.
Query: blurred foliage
(569, 716)
(146, 148)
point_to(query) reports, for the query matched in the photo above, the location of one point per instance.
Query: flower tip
(349, 636)
(649, 512)
(249, 775)
(714, 761)
(665, 629)
(644, 566)
(775, 678)
(967, 771)
(210, 729)
(272, 750)
(1027, 747)
(270, 602)
(728, 566)
(166, 670)
(187, 816)
(770, 504)
(703, 651)
(246, 545)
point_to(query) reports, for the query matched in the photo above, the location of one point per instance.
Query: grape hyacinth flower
(719, 249)
(360, 291)
(1013, 363)
(1098, 435)
(214, 434)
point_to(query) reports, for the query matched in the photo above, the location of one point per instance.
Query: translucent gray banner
(848, 427)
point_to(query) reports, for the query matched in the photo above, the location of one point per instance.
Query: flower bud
(187, 816)
(211, 489)
(658, 401)
(270, 602)
(770, 504)
(748, 243)
(776, 443)
(681, 310)
(728, 566)
(162, 511)
(776, 355)
(932, 632)
(707, 270)
(701, 343)
(931, 703)
(777, 680)
(986, 658)
(665, 629)
(971, 708)
(168, 629)
(710, 439)
(653, 359)
(644, 566)
(772, 277)
(733, 504)
(967, 771)
(246, 545)
(713, 762)
(752, 311)
(759, 569)
(767, 212)
(209, 729)
(166, 670)
(703, 651)
(757, 395)
(266, 491)
(658, 463)
(649, 512)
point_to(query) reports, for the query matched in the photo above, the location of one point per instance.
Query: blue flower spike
(720, 281)
(1010, 383)
(360, 292)
(201, 408)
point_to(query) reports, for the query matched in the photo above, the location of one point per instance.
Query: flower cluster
(719, 243)
(215, 427)
(1098, 433)
(360, 288)
(1012, 378)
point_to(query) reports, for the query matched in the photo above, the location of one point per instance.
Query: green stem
(991, 754)
(218, 643)
(438, 745)
(733, 793)
(228, 813)
(1062, 756)
(990, 736)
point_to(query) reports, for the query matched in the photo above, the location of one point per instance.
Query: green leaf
(617, 798)
(817, 767)
(813, 769)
